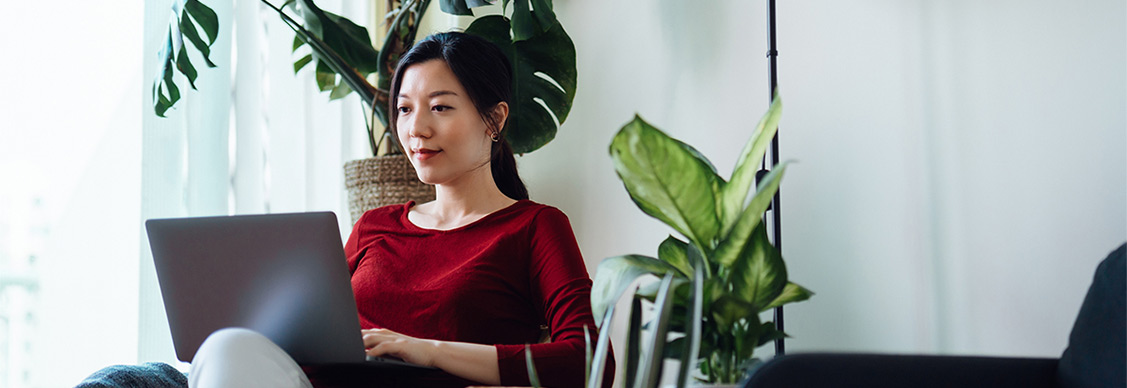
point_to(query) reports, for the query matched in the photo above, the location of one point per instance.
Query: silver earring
(495, 136)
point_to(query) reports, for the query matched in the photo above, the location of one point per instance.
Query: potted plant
(344, 60)
(723, 274)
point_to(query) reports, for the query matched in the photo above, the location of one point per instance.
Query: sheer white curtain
(69, 189)
(254, 138)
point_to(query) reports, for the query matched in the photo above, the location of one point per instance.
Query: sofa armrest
(894, 371)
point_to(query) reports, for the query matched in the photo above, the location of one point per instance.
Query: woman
(464, 282)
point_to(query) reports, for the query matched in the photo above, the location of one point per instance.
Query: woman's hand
(470, 361)
(384, 342)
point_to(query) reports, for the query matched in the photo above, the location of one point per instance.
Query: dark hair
(485, 73)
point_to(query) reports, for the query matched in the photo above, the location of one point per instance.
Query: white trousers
(237, 357)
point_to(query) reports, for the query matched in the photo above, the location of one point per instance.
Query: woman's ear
(499, 115)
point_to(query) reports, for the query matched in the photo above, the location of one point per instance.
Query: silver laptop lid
(282, 275)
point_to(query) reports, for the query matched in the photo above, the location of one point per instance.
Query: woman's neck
(461, 202)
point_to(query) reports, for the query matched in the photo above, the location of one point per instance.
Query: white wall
(961, 165)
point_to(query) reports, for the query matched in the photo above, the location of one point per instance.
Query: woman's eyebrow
(432, 94)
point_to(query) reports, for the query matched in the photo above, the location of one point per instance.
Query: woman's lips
(422, 154)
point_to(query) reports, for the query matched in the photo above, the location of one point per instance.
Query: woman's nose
(418, 125)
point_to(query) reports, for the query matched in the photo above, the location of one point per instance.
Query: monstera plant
(725, 271)
(344, 59)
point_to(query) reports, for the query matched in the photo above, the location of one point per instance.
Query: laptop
(282, 275)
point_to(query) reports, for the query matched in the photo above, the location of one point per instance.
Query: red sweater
(494, 281)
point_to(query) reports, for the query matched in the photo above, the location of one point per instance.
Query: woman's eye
(404, 109)
(440, 108)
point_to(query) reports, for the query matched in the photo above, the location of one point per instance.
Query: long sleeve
(562, 291)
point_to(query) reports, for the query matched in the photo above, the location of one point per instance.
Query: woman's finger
(384, 349)
(373, 339)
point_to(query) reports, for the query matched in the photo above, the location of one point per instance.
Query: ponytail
(505, 175)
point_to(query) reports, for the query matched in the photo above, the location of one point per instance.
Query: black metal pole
(773, 76)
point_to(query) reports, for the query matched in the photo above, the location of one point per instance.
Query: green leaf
(182, 27)
(302, 62)
(758, 274)
(728, 309)
(173, 95)
(185, 66)
(587, 356)
(791, 293)
(347, 39)
(339, 91)
(160, 103)
(602, 349)
(533, 378)
(767, 333)
(667, 181)
(648, 290)
(400, 38)
(675, 349)
(633, 341)
(675, 252)
(164, 80)
(297, 43)
(545, 16)
(205, 17)
(552, 54)
(328, 60)
(461, 7)
(695, 317)
(173, 91)
(714, 288)
(615, 274)
(455, 7)
(339, 46)
(189, 31)
(525, 25)
(326, 78)
(739, 235)
(531, 18)
(361, 54)
(650, 372)
(743, 177)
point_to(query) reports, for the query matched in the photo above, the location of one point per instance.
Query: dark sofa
(1094, 357)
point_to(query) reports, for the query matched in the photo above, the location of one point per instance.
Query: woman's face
(440, 129)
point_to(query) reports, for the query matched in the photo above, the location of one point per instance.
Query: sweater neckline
(411, 225)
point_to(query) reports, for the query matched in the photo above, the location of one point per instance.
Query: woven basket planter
(380, 181)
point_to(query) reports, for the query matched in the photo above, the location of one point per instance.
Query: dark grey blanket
(147, 375)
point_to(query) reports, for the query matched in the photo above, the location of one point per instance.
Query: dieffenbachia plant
(726, 249)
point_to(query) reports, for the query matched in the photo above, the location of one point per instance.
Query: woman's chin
(430, 179)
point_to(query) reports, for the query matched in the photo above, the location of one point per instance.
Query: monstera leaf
(526, 23)
(353, 51)
(343, 58)
(190, 15)
(544, 70)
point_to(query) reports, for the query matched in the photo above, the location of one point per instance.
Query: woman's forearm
(470, 361)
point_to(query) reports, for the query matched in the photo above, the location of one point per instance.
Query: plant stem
(368, 124)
